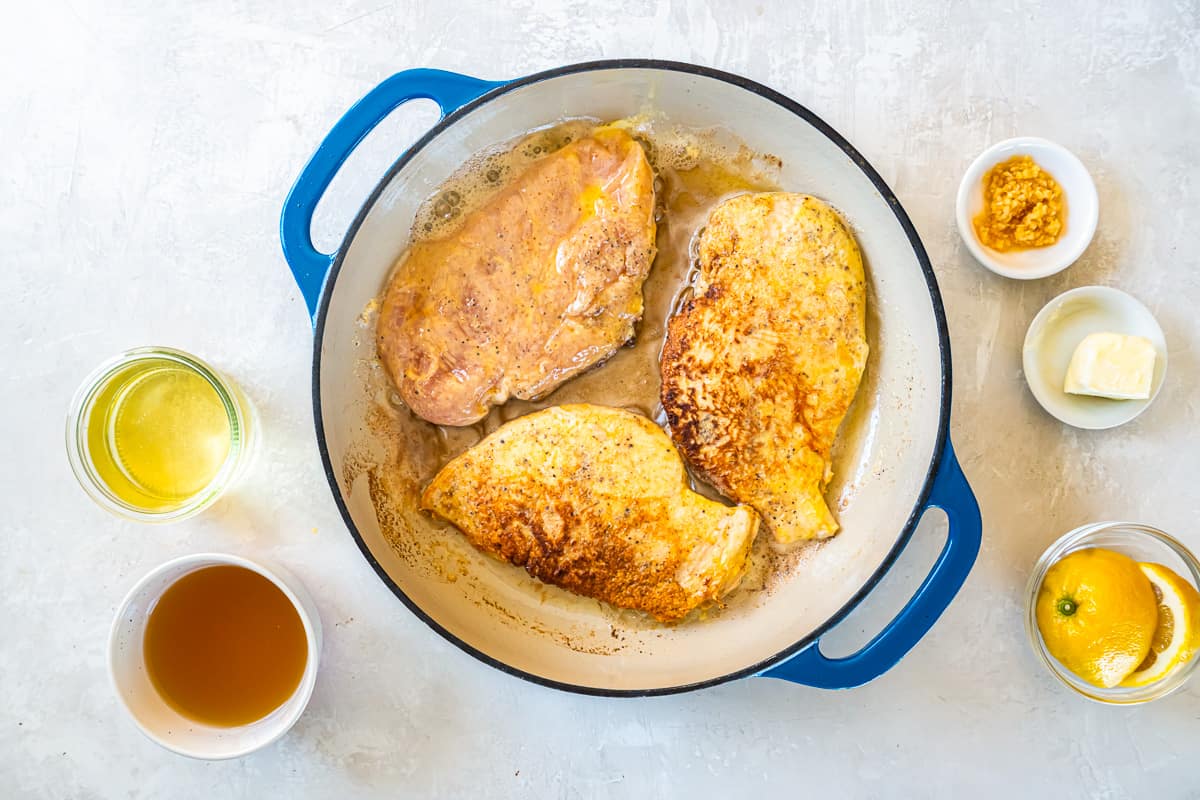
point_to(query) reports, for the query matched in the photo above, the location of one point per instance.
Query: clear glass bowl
(98, 393)
(1141, 543)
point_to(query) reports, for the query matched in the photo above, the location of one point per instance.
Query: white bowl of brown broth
(215, 656)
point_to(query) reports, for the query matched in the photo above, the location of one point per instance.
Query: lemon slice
(1178, 633)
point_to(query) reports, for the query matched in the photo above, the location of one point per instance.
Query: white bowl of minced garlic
(1027, 208)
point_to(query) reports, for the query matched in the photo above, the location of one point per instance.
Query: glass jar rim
(79, 413)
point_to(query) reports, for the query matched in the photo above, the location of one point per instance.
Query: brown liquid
(224, 646)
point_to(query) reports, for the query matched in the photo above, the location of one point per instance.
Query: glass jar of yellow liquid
(157, 435)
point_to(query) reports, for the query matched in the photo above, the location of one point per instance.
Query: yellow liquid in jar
(158, 433)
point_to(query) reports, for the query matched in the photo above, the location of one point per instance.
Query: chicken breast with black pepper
(540, 283)
(596, 500)
(761, 366)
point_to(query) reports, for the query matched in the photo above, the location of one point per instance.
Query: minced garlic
(1023, 206)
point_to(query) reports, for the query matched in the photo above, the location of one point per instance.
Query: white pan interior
(498, 610)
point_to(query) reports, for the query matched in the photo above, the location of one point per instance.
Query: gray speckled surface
(147, 147)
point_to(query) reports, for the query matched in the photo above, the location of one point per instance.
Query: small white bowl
(1059, 328)
(163, 724)
(1083, 209)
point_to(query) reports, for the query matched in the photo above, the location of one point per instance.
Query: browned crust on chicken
(760, 368)
(595, 500)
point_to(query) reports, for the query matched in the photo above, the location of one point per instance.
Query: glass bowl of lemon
(1114, 612)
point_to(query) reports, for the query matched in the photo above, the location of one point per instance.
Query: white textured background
(145, 149)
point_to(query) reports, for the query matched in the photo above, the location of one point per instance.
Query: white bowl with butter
(1103, 365)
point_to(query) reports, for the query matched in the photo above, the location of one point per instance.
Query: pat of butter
(1112, 365)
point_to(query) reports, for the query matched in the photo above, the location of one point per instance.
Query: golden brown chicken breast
(596, 500)
(537, 285)
(759, 369)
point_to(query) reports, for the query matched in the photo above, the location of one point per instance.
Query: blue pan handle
(310, 266)
(952, 494)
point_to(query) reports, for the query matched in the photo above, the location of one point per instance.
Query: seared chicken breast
(537, 285)
(596, 500)
(760, 367)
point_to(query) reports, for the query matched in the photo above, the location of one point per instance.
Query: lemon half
(1097, 614)
(1177, 634)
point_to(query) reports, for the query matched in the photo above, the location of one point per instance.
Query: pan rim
(887, 195)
